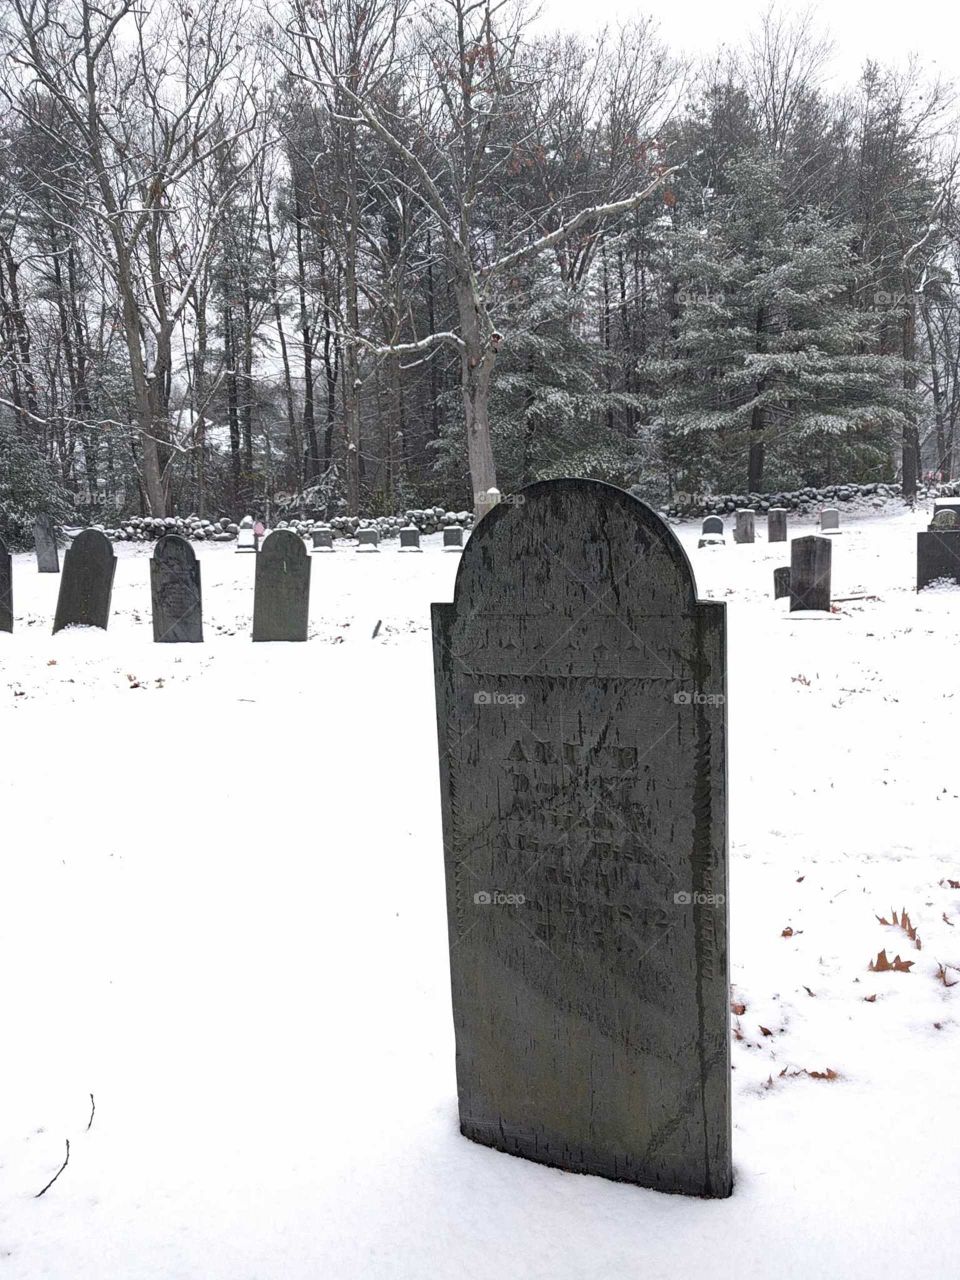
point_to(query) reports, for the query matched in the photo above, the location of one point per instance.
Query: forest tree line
(364, 256)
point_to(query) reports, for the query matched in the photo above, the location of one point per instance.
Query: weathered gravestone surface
(6, 588)
(810, 573)
(743, 530)
(368, 540)
(453, 538)
(409, 538)
(175, 592)
(582, 731)
(777, 524)
(938, 554)
(781, 582)
(945, 518)
(830, 520)
(86, 586)
(45, 541)
(712, 524)
(322, 536)
(281, 594)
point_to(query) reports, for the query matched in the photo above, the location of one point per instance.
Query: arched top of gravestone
(92, 545)
(175, 551)
(578, 578)
(283, 544)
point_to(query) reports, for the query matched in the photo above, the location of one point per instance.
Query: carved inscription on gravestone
(45, 541)
(175, 592)
(581, 718)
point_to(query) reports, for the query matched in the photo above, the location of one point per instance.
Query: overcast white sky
(860, 30)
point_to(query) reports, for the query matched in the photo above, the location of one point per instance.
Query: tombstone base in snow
(938, 556)
(368, 540)
(410, 539)
(453, 538)
(86, 585)
(711, 540)
(810, 562)
(322, 539)
(6, 588)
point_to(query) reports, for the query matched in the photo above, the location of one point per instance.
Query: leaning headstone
(45, 541)
(810, 574)
(830, 520)
(781, 582)
(938, 552)
(743, 530)
(175, 592)
(246, 538)
(368, 540)
(582, 726)
(777, 524)
(453, 538)
(410, 538)
(281, 594)
(322, 536)
(86, 586)
(6, 588)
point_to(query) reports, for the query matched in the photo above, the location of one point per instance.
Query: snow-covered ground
(223, 917)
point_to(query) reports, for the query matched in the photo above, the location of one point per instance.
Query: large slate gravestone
(582, 729)
(175, 592)
(45, 541)
(810, 560)
(86, 586)
(281, 594)
(6, 588)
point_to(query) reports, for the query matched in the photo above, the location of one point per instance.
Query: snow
(223, 917)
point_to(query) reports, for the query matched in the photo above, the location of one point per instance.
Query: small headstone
(368, 540)
(453, 538)
(938, 554)
(781, 582)
(410, 538)
(175, 591)
(322, 536)
(712, 524)
(810, 574)
(45, 541)
(743, 529)
(830, 520)
(246, 538)
(945, 518)
(6, 588)
(86, 586)
(281, 595)
(581, 711)
(777, 524)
